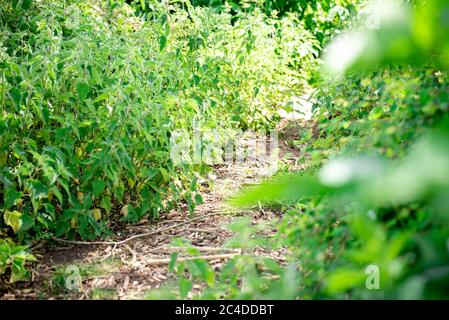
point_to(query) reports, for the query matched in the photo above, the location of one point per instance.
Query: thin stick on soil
(155, 262)
(142, 235)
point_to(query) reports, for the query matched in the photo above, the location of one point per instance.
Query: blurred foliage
(394, 32)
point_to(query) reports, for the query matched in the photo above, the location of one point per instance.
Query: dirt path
(130, 270)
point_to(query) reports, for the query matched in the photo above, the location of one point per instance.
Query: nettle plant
(90, 94)
(78, 132)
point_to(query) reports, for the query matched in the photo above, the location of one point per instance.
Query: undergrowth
(92, 92)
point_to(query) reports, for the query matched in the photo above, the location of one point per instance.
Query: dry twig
(156, 262)
(142, 235)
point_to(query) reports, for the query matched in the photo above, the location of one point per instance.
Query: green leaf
(11, 196)
(376, 113)
(185, 286)
(61, 228)
(39, 189)
(198, 199)
(102, 96)
(16, 96)
(83, 90)
(46, 115)
(162, 42)
(148, 173)
(204, 271)
(57, 194)
(18, 271)
(193, 183)
(27, 222)
(196, 79)
(165, 174)
(172, 263)
(98, 187)
(26, 4)
(106, 203)
(3, 127)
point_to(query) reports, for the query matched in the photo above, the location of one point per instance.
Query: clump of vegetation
(91, 93)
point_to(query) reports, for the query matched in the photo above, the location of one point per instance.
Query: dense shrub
(322, 17)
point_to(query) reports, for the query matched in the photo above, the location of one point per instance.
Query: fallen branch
(201, 249)
(142, 235)
(206, 249)
(155, 262)
(201, 230)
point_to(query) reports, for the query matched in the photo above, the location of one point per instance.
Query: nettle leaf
(83, 90)
(166, 176)
(148, 173)
(119, 191)
(106, 203)
(39, 189)
(199, 199)
(62, 227)
(98, 187)
(46, 115)
(11, 196)
(3, 126)
(13, 219)
(57, 194)
(16, 96)
(172, 263)
(24, 4)
(185, 286)
(196, 79)
(202, 269)
(162, 42)
(18, 271)
(193, 183)
(27, 222)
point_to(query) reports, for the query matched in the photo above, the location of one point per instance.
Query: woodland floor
(130, 270)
